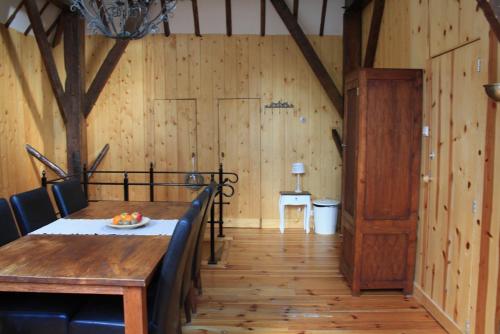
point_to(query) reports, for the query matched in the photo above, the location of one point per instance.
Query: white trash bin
(325, 216)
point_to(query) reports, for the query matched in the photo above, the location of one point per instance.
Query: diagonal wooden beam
(296, 8)
(338, 142)
(103, 75)
(47, 56)
(323, 18)
(44, 160)
(44, 7)
(263, 17)
(229, 20)
(196, 18)
(490, 17)
(98, 160)
(13, 15)
(371, 46)
(310, 55)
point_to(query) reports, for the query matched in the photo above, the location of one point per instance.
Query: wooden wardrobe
(381, 164)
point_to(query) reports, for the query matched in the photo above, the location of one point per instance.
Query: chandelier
(124, 19)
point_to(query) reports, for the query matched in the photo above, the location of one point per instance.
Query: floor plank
(291, 284)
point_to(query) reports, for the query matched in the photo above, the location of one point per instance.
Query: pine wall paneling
(239, 150)
(163, 103)
(215, 70)
(446, 38)
(28, 114)
(174, 126)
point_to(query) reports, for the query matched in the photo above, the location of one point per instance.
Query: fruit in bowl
(127, 219)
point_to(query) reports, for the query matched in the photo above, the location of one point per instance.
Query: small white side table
(293, 198)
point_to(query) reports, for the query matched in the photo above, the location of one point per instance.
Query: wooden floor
(273, 283)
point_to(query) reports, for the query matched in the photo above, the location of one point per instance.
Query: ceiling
(245, 17)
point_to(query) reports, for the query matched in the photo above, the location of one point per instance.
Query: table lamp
(298, 169)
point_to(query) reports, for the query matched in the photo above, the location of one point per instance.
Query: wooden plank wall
(231, 79)
(446, 38)
(165, 101)
(28, 114)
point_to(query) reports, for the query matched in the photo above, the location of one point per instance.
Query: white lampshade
(298, 168)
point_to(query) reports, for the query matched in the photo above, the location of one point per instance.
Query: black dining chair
(187, 300)
(104, 314)
(8, 227)
(36, 313)
(208, 195)
(33, 210)
(69, 196)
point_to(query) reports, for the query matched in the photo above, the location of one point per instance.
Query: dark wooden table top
(90, 260)
(78, 259)
(153, 210)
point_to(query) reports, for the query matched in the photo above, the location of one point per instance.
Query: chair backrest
(33, 210)
(8, 227)
(188, 268)
(69, 196)
(206, 196)
(166, 317)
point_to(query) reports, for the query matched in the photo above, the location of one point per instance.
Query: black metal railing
(225, 182)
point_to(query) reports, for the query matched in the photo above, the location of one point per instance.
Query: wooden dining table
(92, 264)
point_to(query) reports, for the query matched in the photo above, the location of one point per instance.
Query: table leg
(282, 217)
(307, 213)
(135, 310)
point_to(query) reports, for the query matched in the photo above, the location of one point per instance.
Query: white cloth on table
(100, 227)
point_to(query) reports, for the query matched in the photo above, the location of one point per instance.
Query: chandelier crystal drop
(124, 19)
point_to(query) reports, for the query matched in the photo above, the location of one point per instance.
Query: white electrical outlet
(426, 131)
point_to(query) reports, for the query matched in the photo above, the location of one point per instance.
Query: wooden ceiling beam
(44, 7)
(296, 9)
(59, 32)
(62, 4)
(13, 15)
(488, 11)
(103, 74)
(310, 55)
(229, 23)
(352, 41)
(166, 28)
(102, 13)
(323, 18)
(263, 17)
(356, 5)
(53, 25)
(196, 18)
(371, 46)
(166, 25)
(47, 56)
